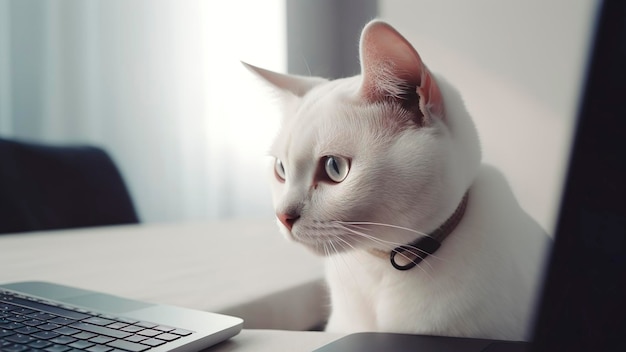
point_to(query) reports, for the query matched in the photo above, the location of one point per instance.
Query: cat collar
(426, 245)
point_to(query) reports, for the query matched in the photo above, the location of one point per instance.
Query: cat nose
(288, 219)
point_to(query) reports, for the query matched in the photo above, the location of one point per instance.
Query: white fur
(480, 283)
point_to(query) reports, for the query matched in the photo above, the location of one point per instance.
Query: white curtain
(156, 83)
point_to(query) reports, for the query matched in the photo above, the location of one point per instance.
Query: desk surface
(243, 267)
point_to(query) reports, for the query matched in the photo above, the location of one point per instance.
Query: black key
(81, 344)
(11, 326)
(126, 320)
(132, 328)
(57, 348)
(61, 321)
(17, 318)
(153, 342)
(99, 348)
(41, 316)
(101, 339)
(149, 332)
(48, 326)
(98, 321)
(66, 330)
(164, 328)
(145, 324)
(167, 337)
(128, 346)
(5, 332)
(117, 325)
(27, 330)
(62, 340)
(101, 330)
(136, 338)
(14, 348)
(19, 338)
(32, 322)
(45, 335)
(107, 316)
(6, 307)
(40, 344)
(84, 335)
(48, 308)
(23, 311)
(181, 332)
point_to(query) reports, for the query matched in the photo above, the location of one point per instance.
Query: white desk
(243, 268)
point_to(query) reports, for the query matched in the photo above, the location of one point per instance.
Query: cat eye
(279, 170)
(337, 168)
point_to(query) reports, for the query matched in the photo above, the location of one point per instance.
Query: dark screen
(584, 302)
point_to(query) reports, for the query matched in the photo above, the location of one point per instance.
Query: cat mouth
(324, 238)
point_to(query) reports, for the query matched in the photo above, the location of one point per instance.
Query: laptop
(582, 304)
(42, 316)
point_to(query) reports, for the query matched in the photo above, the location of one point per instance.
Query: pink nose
(288, 219)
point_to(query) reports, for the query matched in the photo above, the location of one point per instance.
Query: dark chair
(59, 187)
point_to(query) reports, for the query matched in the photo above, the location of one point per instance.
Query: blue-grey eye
(337, 168)
(279, 170)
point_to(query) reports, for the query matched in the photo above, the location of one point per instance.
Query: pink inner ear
(390, 65)
(431, 100)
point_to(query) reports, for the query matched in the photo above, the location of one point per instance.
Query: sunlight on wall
(245, 112)
(160, 86)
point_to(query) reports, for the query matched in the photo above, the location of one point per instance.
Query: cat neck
(424, 246)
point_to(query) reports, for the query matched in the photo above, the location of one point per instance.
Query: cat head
(372, 160)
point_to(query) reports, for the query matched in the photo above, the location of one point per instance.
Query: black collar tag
(414, 252)
(421, 248)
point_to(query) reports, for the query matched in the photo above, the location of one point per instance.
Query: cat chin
(323, 249)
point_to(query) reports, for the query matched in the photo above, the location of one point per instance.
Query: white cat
(368, 166)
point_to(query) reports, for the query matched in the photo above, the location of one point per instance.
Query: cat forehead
(318, 123)
(332, 120)
(330, 94)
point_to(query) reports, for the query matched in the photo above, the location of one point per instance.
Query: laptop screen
(583, 307)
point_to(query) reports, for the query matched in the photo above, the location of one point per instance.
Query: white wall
(519, 66)
(5, 54)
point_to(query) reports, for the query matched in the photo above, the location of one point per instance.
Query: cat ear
(296, 85)
(392, 69)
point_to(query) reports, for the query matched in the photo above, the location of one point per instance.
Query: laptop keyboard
(32, 325)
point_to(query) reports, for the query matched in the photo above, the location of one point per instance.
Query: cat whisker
(412, 250)
(345, 244)
(350, 225)
(402, 254)
(390, 244)
(326, 250)
(333, 247)
(368, 223)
